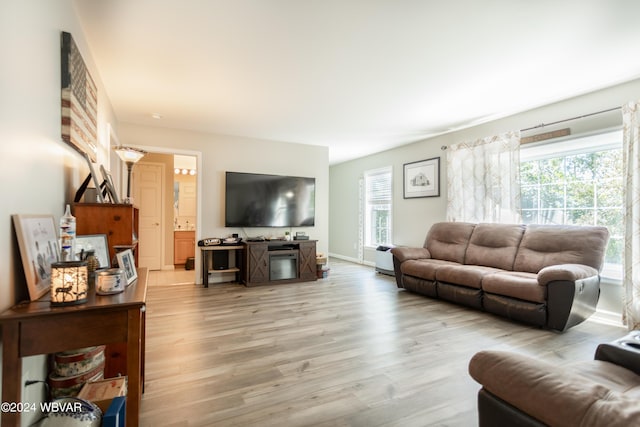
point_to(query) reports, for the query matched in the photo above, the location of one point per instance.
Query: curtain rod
(541, 125)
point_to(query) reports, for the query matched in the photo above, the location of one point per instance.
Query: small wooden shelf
(228, 270)
(207, 261)
(221, 247)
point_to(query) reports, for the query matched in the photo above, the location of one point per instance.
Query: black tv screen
(258, 200)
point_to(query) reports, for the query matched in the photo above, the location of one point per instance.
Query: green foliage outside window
(381, 225)
(580, 189)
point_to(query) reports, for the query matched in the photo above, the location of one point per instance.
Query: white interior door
(148, 191)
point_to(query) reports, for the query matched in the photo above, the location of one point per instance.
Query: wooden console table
(35, 327)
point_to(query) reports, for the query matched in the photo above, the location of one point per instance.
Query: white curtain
(631, 171)
(483, 179)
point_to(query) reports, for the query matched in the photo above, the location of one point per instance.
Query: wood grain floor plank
(349, 350)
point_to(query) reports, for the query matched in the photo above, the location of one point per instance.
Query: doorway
(184, 211)
(159, 210)
(148, 194)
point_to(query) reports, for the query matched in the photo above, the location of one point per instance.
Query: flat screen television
(258, 200)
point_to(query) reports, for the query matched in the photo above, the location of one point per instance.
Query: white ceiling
(358, 76)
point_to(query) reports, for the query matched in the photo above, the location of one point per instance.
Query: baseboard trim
(607, 318)
(345, 258)
(354, 260)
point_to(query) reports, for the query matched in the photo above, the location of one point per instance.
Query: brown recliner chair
(521, 391)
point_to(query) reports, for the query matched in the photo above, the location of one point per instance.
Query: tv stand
(274, 262)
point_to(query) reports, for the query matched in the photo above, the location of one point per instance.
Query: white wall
(220, 153)
(412, 218)
(38, 171)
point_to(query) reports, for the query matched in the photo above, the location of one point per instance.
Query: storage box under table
(102, 392)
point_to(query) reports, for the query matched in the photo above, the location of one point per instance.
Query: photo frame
(97, 243)
(422, 178)
(79, 100)
(91, 177)
(108, 188)
(127, 263)
(38, 243)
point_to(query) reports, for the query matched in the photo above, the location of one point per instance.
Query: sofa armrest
(573, 291)
(565, 273)
(405, 253)
(543, 391)
(624, 352)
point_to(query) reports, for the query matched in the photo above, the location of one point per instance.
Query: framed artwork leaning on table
(127, 263)
(98, 244)
(38, 243)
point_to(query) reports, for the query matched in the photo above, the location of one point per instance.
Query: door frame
(179, 151)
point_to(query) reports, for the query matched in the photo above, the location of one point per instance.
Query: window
(577, 181)
(377, 207)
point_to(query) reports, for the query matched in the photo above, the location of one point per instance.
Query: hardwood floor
(348, 350)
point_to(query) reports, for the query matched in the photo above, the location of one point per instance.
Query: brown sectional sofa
(544, 275)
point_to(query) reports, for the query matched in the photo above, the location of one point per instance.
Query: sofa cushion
(616, 410)
(515, 284)
(423, 268)
(465, 275)
(545, 245)
(616, 378)
(449, 240)
(494, 245)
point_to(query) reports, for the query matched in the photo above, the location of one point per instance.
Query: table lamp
(69, 283)
(130, 156)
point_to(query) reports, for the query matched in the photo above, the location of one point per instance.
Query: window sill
(612, 281)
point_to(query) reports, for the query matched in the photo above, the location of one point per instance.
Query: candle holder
(69, 283)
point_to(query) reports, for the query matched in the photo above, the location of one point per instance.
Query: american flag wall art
(79, 100)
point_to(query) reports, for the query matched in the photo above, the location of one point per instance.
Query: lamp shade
(129, 154)
(69, 282)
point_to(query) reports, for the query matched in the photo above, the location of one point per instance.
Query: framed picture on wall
(422, 178)
(38, 245)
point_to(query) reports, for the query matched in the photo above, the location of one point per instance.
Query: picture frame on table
(97, 243)
(126, 262)
(422, 178)
(39, 247)
(108, 188)
(93, 176)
